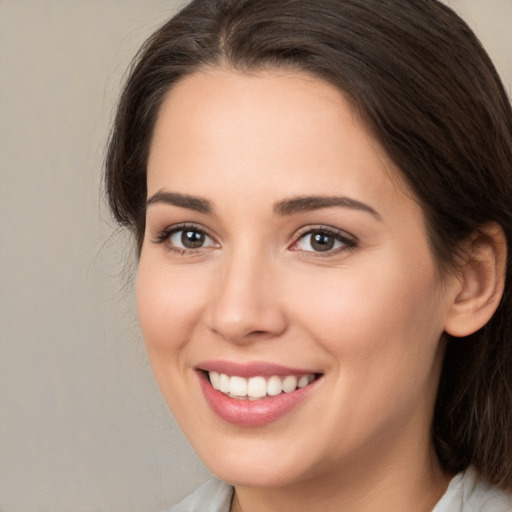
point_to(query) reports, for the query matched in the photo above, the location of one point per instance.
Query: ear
(481, 282)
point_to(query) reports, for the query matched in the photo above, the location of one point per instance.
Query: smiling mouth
(258, 387)
(254, 394)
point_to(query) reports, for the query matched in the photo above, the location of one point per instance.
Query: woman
(321, 195)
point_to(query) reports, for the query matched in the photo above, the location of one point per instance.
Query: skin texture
(368, 317)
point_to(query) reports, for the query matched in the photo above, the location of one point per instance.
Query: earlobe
(480, 283)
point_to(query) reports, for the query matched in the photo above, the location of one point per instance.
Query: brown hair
(429, 93)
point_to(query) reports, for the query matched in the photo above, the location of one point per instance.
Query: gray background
(82, 424)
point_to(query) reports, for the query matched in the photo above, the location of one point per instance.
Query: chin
(255, 474)
(252, 461)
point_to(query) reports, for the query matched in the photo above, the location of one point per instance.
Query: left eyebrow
(308, 203)
(197, 204)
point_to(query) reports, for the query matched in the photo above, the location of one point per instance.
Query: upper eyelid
(328, 229)
(166, 232)
(173, 228)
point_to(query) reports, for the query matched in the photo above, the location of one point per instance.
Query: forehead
(274, 131)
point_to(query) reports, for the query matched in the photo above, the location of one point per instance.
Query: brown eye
(192, 239)
(322, 242)
(189, 238)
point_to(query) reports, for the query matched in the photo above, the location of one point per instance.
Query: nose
(245, 306)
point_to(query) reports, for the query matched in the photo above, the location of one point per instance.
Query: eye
(185, 238)
(323, 241)
(190, 239)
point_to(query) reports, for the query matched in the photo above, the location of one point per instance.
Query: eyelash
(163, 238)
(347, 241)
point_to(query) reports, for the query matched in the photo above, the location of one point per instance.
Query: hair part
(428, 92)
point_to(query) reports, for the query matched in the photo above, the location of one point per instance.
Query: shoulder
(468, 492)
(212, 496)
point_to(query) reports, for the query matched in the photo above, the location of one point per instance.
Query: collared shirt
(467, 492)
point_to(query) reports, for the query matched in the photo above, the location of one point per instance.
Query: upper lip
(253, 369)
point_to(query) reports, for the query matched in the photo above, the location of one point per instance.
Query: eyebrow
(308, 203)
(197, 204)
(286, 207)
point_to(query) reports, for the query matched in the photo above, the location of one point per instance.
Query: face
(286, 291)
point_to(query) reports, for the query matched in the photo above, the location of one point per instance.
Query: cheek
(169, 305)
(376, 323)
(382, 334)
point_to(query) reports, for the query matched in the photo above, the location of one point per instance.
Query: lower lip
(252, 413)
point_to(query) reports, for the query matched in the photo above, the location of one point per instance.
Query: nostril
(257, 333)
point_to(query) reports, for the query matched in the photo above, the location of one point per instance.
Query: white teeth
(303, 381)
(237, 386)
(274, 386)
(289, 383)
(224, 383)
(258, 387)
(215, 380)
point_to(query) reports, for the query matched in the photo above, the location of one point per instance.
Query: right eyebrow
(197, 204)
(300, 204)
